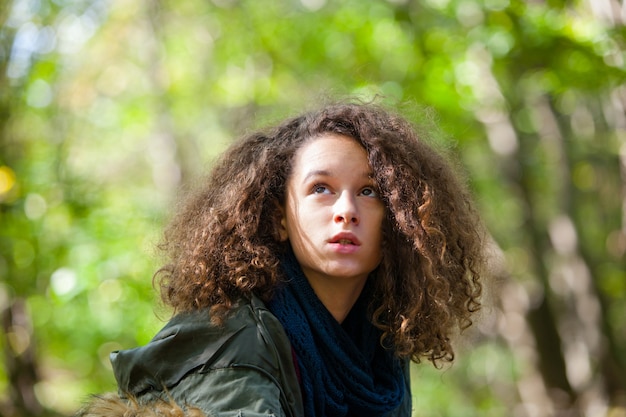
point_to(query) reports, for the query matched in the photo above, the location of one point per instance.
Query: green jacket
(244, 368)
(245, 365)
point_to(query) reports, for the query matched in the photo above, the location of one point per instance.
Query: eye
(320, 189)
(369, 192)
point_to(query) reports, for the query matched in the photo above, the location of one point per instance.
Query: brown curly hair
(225, 243)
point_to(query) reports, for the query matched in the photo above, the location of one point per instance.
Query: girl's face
(333, 214)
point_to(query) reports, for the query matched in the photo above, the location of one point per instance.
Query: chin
(348, 273)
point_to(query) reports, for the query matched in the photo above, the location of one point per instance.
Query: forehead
(328, 149)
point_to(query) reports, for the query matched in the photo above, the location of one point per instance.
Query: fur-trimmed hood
(111, 405)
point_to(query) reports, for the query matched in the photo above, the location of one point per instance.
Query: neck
(338, 297)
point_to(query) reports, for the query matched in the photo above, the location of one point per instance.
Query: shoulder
(190, 341)
(192, 354)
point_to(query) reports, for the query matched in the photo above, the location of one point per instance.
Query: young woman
(317, 260)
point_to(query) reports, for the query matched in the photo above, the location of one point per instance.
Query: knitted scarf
(344, 369)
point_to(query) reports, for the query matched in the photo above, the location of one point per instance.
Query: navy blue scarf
(343, 368)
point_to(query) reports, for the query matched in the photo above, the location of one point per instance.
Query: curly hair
(225, 243)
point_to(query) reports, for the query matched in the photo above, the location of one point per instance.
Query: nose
(346, 209)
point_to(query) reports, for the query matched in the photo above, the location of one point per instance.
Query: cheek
(379, 231)
(288, 217)
(291, 223)
(379, 219)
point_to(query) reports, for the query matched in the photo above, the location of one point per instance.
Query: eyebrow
(325, 173)
(315, 173)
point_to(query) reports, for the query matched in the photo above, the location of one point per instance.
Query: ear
(282, 228)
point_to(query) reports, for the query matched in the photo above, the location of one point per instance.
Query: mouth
(345, 239)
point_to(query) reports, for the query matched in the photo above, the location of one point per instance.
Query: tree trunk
(20, 361)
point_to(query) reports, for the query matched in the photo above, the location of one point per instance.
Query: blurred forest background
(109, 108)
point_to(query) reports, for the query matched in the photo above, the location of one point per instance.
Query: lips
(345, 238)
